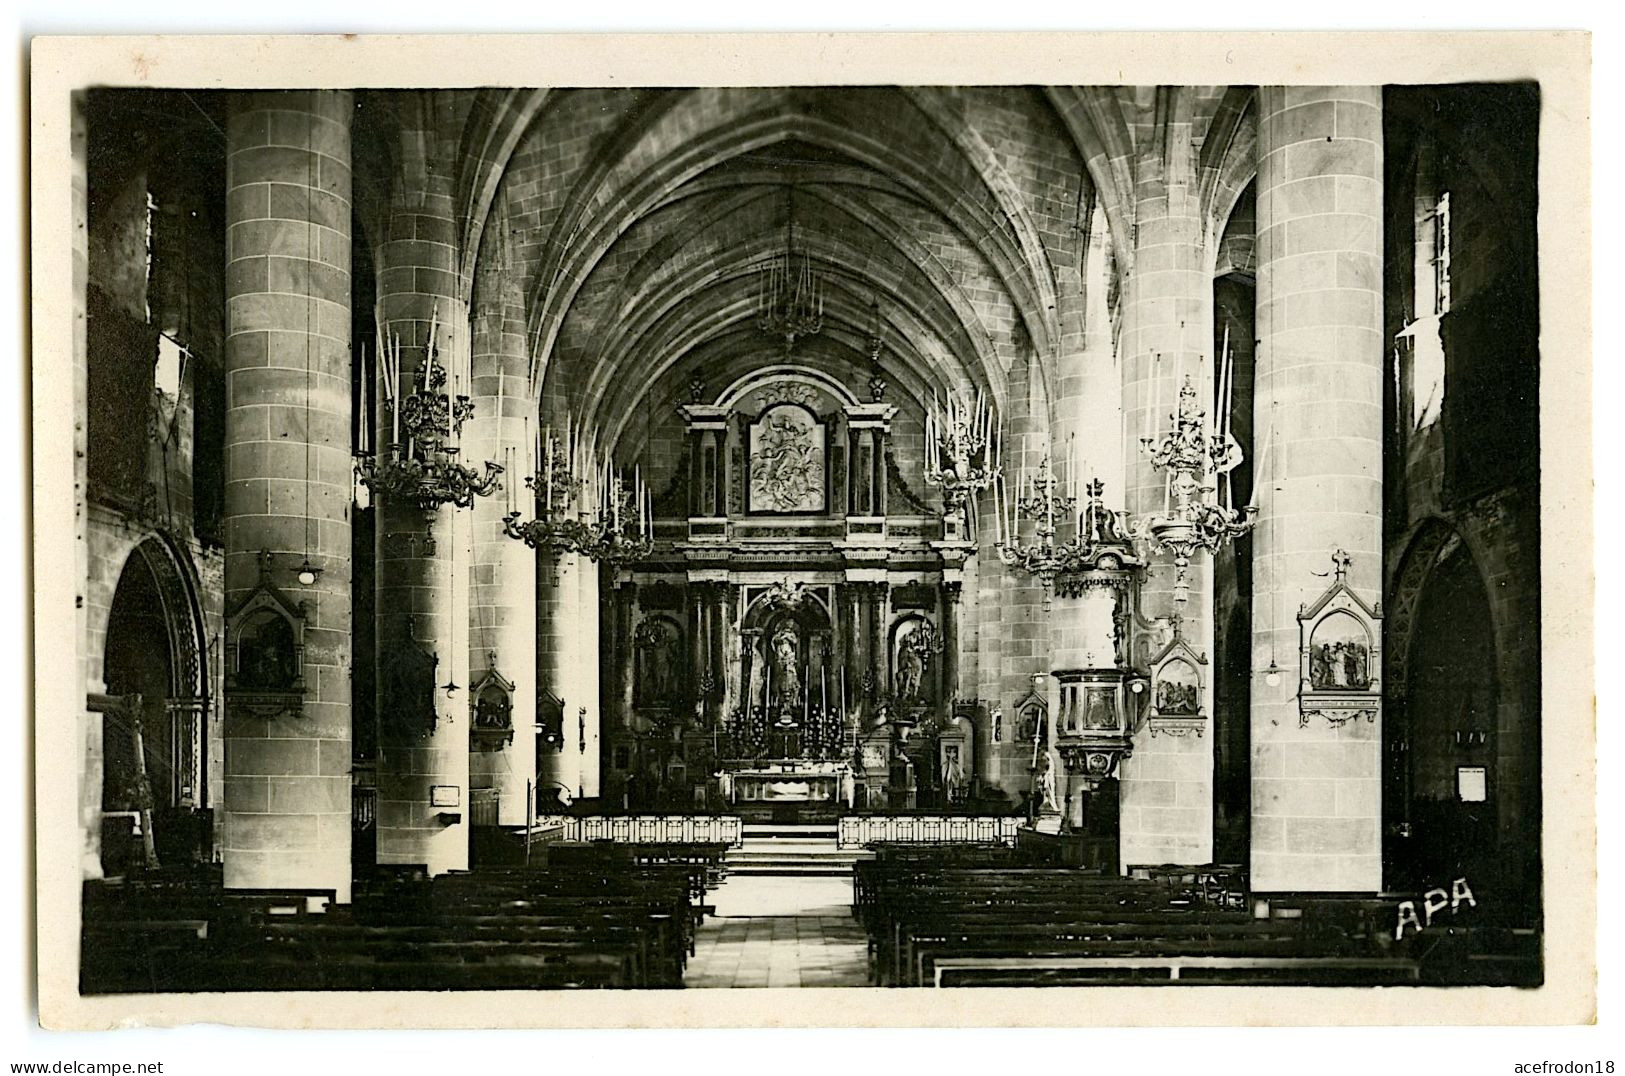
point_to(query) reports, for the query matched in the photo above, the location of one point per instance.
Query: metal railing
(363, 808)
(856, 831)
(649, 829)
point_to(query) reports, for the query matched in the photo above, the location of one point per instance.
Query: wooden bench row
(607, 920)
(949, 924)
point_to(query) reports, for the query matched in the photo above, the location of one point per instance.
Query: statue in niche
(787, 673)
(659, 661)
(265, 655)
(916, 641)
(910, 669)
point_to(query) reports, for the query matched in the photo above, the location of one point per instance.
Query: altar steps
(792, 851)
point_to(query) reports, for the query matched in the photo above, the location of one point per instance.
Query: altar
(790, 781)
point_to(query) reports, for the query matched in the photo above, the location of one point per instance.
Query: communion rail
(856, 831)
(648, 829)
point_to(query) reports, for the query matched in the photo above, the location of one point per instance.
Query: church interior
(808, 536)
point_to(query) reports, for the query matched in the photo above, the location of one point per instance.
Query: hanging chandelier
(1197, 511)
(962, 450)
(420, 464)
(790, 297)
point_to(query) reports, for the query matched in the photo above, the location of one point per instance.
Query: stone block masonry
(286, 805)
(1316, 822)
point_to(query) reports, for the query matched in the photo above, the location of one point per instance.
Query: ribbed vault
(950, 223)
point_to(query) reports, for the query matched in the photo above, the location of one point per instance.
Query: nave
(1074, 497)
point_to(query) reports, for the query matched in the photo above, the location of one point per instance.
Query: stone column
(1167, 784)
(286, 817)
(1316, 790)
(875, 628)
(423, 557)
(853, 651)
(1014, 628)
(502, 606)
(583, 730)
(553, 630)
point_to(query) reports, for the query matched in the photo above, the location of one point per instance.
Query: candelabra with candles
(623, 532)
(1043, 503)
(420, 464)
(790, 303)
(553, 489)
(1099, 544)
(962, 451)
(614, 521)
(1197, 510)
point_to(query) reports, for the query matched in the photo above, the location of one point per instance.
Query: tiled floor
(780, 932)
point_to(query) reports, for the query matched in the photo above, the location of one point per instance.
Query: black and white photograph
(860, 536)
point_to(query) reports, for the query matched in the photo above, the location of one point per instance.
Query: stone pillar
(1013, 628)
(849, 610)
(584, 719)
(502, 606)
(1167, 784)
(1316, 790)
(875, 629)
(423, 557)
(560, 768)
(286, 817)
(619, 645)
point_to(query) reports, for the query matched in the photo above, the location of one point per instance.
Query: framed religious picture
(1340, 654)
(1177, 706)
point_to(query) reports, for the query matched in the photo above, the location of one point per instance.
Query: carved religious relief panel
(1339, 654)
(787, 461)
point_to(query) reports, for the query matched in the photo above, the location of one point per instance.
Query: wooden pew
(970, 920)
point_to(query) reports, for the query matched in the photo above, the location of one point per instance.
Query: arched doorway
(154, 649)
(1441, 739)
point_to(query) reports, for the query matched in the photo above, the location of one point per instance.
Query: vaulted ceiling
(954, 222)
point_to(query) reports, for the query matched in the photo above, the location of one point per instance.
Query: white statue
(1047, 801)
